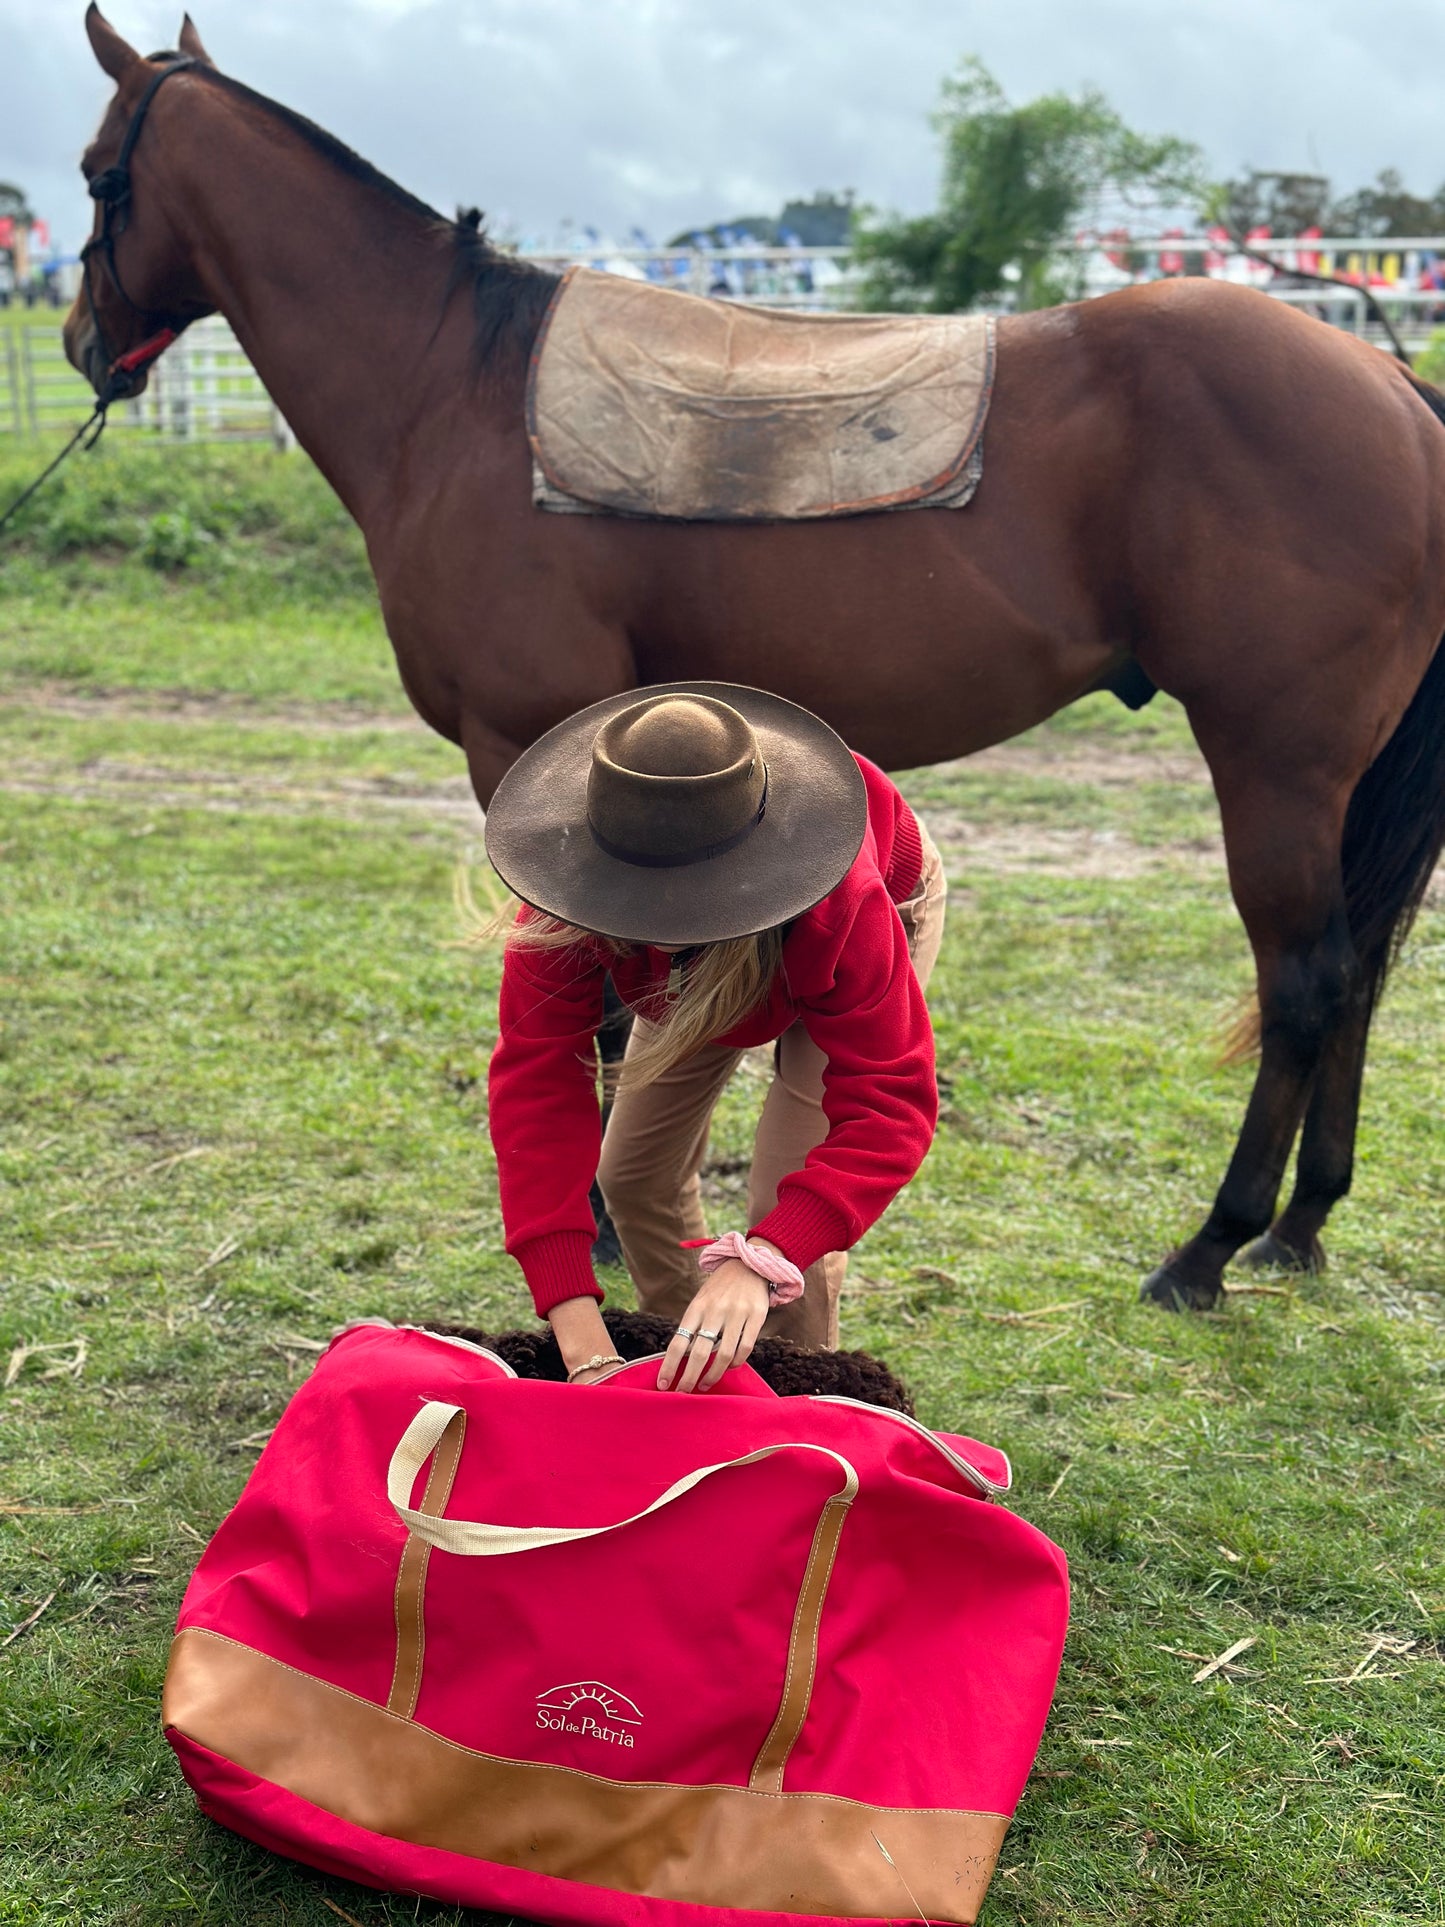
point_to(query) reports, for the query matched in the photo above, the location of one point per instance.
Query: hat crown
(674, 780)
(679, 736)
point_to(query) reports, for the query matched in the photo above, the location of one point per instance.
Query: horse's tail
(1395, 830)
(1394, 827)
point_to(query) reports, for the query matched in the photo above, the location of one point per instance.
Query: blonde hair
(722, 983)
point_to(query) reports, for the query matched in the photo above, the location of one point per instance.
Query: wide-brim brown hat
(682, 813)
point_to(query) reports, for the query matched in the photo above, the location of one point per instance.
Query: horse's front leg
(611, 1049)
(1284, 867)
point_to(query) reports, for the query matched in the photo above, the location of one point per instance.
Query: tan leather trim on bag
(411, 1574)
(713, 1846)
(767, 1773)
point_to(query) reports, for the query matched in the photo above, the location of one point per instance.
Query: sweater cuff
(804, 1227)
(905, 866)
(558, 1266)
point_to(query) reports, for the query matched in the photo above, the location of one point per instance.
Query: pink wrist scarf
(781, 1275)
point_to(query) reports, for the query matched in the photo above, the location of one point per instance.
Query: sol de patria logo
(591, 1709)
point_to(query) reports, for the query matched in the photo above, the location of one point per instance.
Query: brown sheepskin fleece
(787, 1368)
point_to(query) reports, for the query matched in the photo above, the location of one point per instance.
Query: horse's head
(138, 276)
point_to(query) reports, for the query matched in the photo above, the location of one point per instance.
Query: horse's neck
(336, 293)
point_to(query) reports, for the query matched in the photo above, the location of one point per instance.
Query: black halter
(112, 188)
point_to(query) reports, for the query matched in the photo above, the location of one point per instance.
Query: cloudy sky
(666, 113)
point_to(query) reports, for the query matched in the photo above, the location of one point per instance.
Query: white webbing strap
(476, 1539)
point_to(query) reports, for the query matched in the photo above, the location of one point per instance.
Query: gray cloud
(665, 113)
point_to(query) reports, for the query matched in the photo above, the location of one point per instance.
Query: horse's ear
(116, 56)
(190, 43)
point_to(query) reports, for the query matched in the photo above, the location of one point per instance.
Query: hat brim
(538, 840)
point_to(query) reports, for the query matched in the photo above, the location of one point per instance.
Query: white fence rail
(204, 389)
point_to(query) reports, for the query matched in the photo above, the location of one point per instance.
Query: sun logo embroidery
(588, 1707)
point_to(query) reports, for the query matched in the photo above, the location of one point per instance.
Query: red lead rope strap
(142, 357)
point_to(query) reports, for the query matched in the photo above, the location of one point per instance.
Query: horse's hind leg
(1393, 835)
(1327, 1148)
(1283, 847)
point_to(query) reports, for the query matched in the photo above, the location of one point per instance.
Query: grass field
(242, 1089)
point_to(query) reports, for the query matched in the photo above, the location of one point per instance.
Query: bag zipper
(440, 1338)
(989, 1487)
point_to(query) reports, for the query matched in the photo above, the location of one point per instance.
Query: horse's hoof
(1271, 1253)
(606, 1250)
(1172, 1291)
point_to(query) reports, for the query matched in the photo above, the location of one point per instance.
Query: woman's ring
(711, 1337)
(683, 1332)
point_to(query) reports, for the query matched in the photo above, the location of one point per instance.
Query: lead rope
(97, 421)
(124, 365)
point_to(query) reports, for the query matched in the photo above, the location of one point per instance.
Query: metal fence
(38, 387)
(12, 418)
(202, 389)
(1416, 317)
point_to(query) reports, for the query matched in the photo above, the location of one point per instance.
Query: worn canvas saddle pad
(641, 401)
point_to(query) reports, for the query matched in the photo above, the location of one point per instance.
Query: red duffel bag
(599, 1654)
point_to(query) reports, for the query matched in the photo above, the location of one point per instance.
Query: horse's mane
(509, 297)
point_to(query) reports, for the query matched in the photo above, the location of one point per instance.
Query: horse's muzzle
(84, 352)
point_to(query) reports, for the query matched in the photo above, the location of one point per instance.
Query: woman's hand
(580, 1334)
(719, 1331)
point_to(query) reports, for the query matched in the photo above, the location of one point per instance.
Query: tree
(1017, 181)
(762, 228)
(825, 221)
(822, 222)
(1287, 204)
(1284, 203)
(14, 206)
(1387, 208)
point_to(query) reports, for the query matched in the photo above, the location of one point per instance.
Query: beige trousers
(657, 1136)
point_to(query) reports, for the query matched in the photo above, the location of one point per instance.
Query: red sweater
(845, 972)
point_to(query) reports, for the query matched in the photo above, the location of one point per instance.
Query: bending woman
(746, 880)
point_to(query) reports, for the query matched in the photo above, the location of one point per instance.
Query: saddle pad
(642, 401)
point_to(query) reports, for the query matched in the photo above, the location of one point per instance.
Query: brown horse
(1187, 483)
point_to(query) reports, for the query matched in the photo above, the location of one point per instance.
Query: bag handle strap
(475, 1539)
(438, 1429)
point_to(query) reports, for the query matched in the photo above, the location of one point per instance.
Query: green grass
(217, 570)
(242, 1099)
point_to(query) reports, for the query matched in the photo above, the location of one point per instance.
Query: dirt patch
(1101, 766)
(1014, 849)
(191, 706)
(1098, 766)
(969, 848)
(448, 802)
